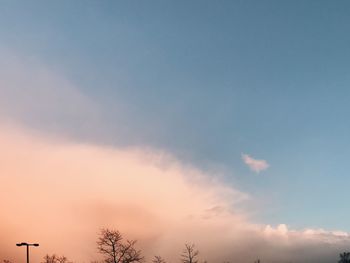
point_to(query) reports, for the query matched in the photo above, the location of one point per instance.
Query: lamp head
(23, 244)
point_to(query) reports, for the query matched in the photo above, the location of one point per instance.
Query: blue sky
(208, 81)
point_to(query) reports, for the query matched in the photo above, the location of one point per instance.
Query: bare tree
(110, 243)
(190, 254)
(62, 259)
(55, 259)
(158, 259)
(49, 259)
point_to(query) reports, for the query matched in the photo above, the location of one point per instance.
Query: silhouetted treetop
(158, 259)
(189, 254)
(55, 259)
(115, 250)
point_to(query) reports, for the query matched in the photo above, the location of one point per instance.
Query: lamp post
(27, 245)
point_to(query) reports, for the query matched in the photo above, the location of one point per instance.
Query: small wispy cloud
(255, 164)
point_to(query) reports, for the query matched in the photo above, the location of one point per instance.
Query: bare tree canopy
(158, 259)
(49, 259)
(110, 244)
(55, 259)
(190, 254)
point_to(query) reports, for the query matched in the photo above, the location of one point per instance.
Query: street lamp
(27, 245)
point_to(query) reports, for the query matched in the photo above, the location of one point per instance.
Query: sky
(238, 106)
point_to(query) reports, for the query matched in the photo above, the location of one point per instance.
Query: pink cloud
(67, 191)
(255, 164)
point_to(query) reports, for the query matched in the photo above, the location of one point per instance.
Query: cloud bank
(60, 192)
(254, 164)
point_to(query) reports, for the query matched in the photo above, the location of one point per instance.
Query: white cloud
(255, 164)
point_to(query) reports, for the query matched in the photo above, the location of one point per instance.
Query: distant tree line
(114, 249)
(117, 250)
